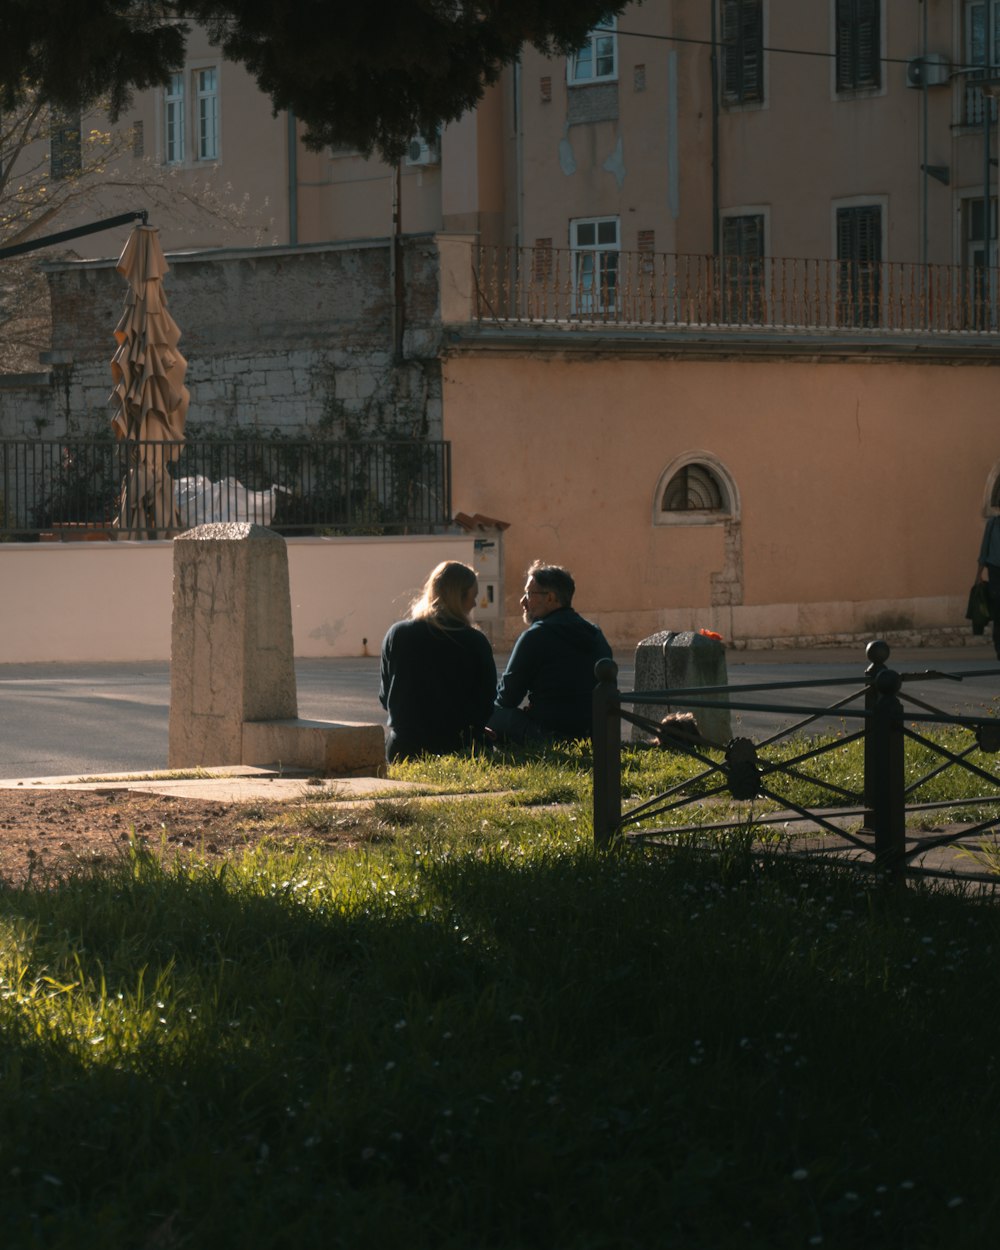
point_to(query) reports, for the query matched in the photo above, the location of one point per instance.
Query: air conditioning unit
(423, 151)
(931, 70)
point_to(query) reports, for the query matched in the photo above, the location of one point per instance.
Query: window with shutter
(742, 51)
(859, 46)
(743, 267)
(975, 57)
(859, 256)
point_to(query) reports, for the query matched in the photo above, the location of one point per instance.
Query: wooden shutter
(730, 50)
(743, 236)
(742, 50)
(869, 71)
(858, 44)
(859, 251)
(752, 32)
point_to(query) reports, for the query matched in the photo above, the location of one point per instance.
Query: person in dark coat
(438, 675)
(551, 665)
(989, 563)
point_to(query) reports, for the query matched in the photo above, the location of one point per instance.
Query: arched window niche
(695, 489)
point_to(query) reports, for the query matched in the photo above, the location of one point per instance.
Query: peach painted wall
(861, 487)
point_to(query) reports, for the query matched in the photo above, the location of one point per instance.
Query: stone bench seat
(333, 748)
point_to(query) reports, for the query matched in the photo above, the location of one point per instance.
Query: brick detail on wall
(595, 103)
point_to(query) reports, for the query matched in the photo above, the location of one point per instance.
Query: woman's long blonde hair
(440, 601)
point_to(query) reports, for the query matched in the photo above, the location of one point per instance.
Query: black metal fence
(873, 820)
(86, 487)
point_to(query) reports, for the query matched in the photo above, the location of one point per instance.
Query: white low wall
(96, 601)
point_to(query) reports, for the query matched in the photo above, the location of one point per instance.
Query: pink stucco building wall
(858, 490)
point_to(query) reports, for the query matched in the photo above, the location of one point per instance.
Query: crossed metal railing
(80, 487)
(873, 820)
(548, 285)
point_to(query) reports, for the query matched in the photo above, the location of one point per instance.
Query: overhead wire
(722, 43)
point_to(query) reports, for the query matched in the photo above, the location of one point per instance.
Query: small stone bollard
(231, 650)
(672, 660)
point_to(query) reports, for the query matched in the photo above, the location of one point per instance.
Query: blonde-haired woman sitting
(438, 677)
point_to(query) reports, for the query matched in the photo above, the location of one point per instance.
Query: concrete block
(671, 660)
(231, 641)
(344, 749)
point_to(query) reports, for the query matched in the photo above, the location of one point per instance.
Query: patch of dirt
(46, 834)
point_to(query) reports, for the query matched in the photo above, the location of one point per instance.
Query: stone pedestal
(680, 660)
(232, 669)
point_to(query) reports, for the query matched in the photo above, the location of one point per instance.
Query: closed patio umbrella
(149, 396)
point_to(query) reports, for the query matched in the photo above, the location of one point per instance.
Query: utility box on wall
(488, 563)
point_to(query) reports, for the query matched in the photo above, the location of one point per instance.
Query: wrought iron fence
(556, 285)
(86, 487)
(874, 820)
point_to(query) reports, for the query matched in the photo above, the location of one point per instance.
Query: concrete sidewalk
(237, 784)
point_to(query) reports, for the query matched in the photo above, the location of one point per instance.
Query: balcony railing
(80, 487)
(663, 290)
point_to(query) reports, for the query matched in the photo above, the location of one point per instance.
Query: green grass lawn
(474, 1033)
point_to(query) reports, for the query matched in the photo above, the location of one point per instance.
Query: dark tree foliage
(72, 52)
(369, 76)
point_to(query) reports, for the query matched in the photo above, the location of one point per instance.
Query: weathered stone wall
(27, 403)
(298, 340)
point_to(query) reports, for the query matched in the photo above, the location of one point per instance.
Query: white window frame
(207, 118)
(174, 120)
(582, 66)
(191, 116)
(588, 296)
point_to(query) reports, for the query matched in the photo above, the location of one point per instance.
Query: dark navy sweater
(437, 685)
(553, 665)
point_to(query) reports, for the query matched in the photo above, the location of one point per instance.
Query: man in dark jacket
(552, 664)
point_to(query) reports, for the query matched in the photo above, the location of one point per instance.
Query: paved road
(60, 719)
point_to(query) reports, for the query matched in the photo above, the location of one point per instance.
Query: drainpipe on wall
(987, 99)
(925, 154)
(715, 134)
(293, 181)
(519, 154)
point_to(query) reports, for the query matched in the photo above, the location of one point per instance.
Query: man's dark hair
(558, 580)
